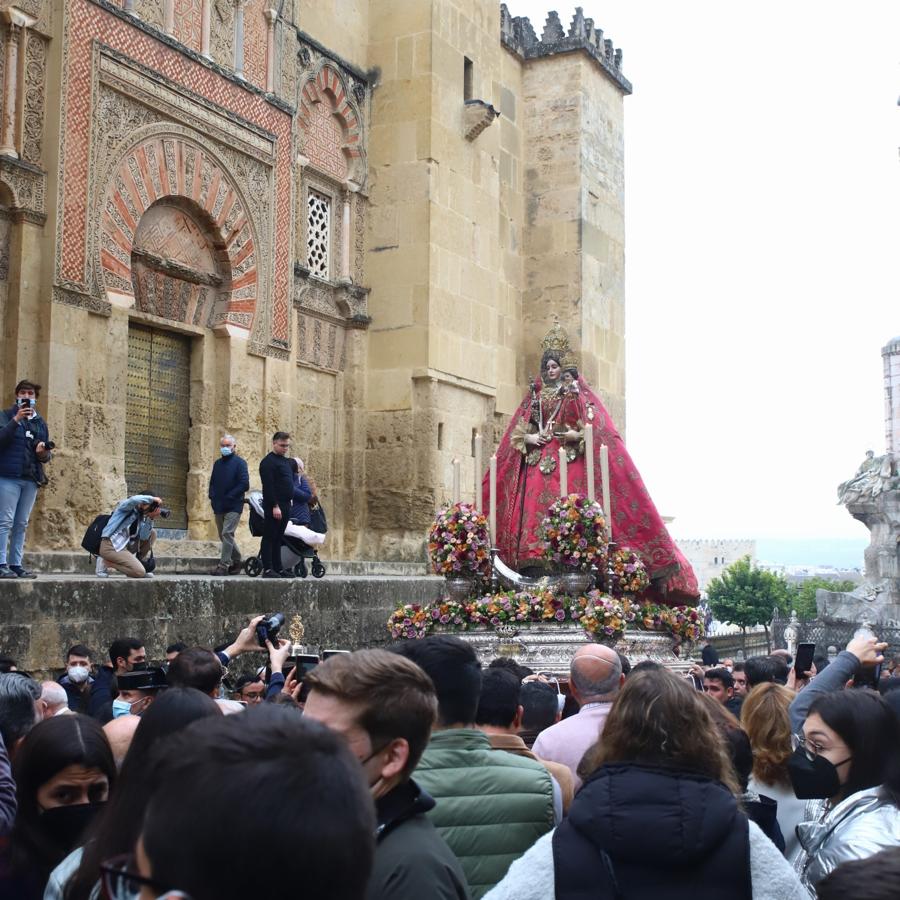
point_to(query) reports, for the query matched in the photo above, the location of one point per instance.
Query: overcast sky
(762, 199)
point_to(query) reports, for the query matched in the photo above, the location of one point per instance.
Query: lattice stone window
(318, 234)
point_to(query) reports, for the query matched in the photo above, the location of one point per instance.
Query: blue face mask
(226, 451)
(121, 708)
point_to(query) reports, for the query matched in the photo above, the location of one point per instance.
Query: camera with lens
(164, 511)
(268, 629)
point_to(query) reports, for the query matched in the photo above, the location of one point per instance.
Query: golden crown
(556, 344)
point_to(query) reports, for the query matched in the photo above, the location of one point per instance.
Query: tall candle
(478, 473)
(493, 500)
(563, 473)
(604, 474)
(589, 456)
(455, 465)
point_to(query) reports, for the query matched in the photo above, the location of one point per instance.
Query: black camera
(49, 445)
(164, 511)
(268, 629)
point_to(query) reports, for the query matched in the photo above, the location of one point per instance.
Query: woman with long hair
(116, 830)
(846, 759)
(63, 771)
(760, 808)
(658, 814)
(766, 719)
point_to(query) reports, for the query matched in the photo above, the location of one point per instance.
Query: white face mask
(78, 674)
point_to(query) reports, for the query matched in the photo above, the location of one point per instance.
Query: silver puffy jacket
(856, 828)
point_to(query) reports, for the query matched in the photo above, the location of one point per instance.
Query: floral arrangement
(603, 616)
(519, 606)
(458, 542)
(575, 533)
(628, 574)
(682, 622)
(411, 620)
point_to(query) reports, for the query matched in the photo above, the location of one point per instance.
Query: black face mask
(813, 779)
(65, 825)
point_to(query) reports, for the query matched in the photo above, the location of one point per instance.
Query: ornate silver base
(550, 648)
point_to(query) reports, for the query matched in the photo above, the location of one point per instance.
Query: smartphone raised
(304, 663)
(804, 659)
(867, 676)
(327, 654)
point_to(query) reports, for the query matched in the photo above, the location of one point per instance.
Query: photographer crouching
(127, 540)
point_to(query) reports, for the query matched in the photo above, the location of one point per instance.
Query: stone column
(302, 212)
(345, 232)
(204, 27)
(271, 16)
(16, 23)
(169, 17)
(890, 353)
(239, 38)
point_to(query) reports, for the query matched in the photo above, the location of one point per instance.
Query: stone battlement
(518, 35)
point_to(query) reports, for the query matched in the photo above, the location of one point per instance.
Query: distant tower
(891, 356)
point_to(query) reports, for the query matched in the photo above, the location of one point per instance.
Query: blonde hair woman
(765, 718)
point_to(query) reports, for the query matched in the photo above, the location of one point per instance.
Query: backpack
(94, 534)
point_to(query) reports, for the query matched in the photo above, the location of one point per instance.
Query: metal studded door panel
(156, 419)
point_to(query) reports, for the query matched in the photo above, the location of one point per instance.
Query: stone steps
(200, 557)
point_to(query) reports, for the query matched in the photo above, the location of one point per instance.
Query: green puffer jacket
(491, 805)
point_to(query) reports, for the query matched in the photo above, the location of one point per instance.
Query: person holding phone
(25, 447)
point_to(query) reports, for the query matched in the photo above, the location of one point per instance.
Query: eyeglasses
(810, 748)
(120, 881)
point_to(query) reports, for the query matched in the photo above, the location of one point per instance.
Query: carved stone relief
(221, 32)
(151, 11)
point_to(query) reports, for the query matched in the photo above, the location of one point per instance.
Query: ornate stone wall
(330, 298)
(136, 82)
(188, 16)
(366, 258)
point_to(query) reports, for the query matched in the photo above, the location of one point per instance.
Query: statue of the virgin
(553, 415)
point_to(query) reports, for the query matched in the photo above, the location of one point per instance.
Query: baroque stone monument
(872, 496)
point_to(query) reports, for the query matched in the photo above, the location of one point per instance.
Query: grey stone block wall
(40, 619)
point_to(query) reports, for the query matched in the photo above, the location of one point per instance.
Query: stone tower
(496, 190)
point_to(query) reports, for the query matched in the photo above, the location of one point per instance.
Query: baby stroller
(294, 552)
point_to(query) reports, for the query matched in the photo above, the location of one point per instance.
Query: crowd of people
(412, 772)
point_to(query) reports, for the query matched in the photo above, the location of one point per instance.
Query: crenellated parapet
(518, 35)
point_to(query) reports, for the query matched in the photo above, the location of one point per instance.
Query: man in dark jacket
(278, 493)
(125, 654)
(491, 805)
(384, 706)
(24, 448)
(77, 680)
(228, 483)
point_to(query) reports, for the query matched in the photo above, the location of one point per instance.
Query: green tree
(802, 597)
(745, 595)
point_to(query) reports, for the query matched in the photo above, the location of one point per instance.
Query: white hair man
(54, 700)
(228, 483)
